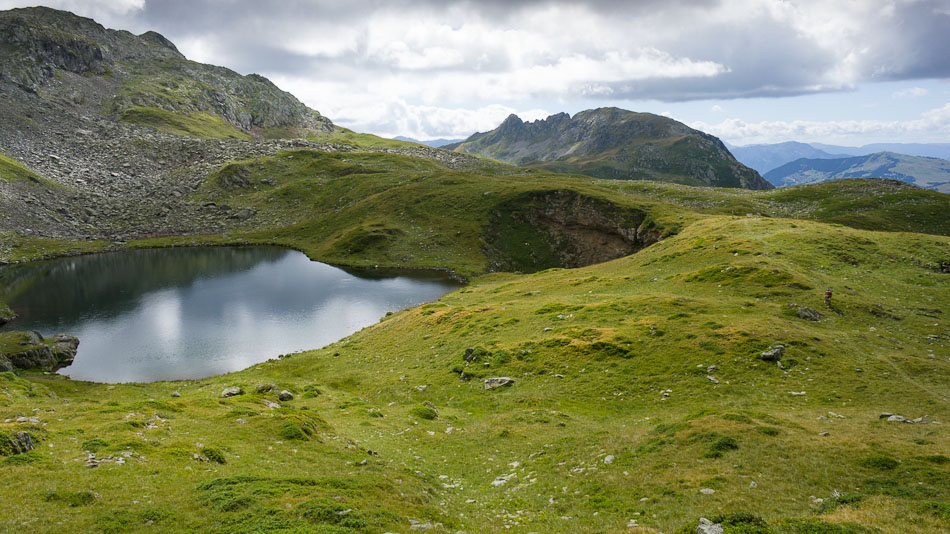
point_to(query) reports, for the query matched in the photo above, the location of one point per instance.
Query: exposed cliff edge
(563, 228)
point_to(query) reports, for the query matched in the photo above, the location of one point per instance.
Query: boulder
(232, 391)
(809, 314)
(774, 353)
(496, 382)
(22, 442)
(708, 527)
(285, 396)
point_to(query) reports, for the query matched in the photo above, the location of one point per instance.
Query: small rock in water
(232, 391)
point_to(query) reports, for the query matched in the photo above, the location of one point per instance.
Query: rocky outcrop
(563, 228)
(6, 315)
(616, 144)
(29, 350)
(496, 382)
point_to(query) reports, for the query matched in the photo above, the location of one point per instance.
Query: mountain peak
(615, 143)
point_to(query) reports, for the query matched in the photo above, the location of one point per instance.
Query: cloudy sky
(750, 71)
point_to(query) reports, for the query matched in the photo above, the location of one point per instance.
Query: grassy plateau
(639, 400)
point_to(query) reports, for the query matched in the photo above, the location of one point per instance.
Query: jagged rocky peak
(57, 53)
(618, 144)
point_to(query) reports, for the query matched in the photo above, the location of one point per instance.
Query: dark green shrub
(213, 454)
(423, 412)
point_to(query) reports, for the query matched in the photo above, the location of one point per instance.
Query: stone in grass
(285, 396)
(232, 391)
(265, 388)
(774, 353)
(496, 382)
(708, 527)
(176, 394)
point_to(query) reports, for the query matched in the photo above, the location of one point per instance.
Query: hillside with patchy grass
(627, 356)
(646, 392)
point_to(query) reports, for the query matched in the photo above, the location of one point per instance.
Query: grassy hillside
(201, 125)
(637, 390)
(13, 171)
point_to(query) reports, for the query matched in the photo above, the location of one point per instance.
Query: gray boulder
(285, 396)
(232, 391)
(809, 314)
(496, 382)
(708, 527)
(774, 353)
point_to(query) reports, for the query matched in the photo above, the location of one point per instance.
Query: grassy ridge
(612, 416)
(203, 125)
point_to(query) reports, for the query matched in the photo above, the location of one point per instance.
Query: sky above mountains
(749, 71)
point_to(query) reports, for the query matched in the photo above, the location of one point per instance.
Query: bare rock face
(562, 228)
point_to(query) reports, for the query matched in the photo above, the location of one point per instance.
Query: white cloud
(911, 92)
(932, 126)
(716, 108)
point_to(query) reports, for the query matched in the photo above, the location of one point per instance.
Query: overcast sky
(749, 71)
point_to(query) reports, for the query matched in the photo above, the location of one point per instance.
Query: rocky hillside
(618, 144)
(74, 62)
(104, 134)
(929, 173)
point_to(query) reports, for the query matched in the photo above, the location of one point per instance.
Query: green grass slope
(13, 171)
(201, 125)
(639, 404)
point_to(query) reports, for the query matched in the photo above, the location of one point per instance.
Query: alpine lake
(188, 313)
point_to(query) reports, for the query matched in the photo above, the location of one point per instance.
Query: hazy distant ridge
(926, 172)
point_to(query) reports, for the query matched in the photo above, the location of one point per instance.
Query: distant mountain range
(926, 172)
(617, 144)
(766, 157)
(435, 143)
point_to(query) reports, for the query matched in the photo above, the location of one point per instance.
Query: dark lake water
(146, 315)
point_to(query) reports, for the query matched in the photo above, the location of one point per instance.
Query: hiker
(828, 297)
